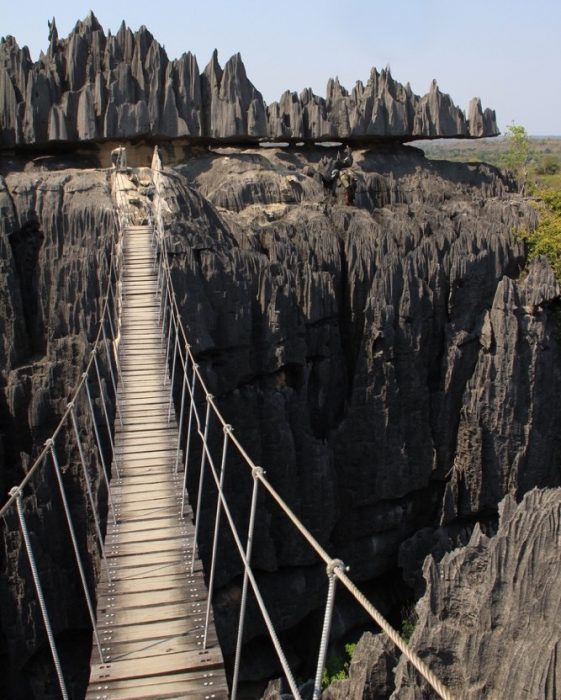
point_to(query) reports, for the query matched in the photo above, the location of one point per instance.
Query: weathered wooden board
(151, 608)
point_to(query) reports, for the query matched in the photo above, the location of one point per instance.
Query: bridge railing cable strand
(174, 338)
(102, 362)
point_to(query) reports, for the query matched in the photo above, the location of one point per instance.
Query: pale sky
(508, 53)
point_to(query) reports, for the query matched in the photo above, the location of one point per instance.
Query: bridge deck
(151, 612)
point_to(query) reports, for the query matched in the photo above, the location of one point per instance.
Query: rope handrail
(332, 563)
(75, 392)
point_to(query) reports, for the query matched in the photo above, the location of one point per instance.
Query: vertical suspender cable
(192, 408)
(243, 603)
(182, 409)
(201, 481)
(107, 421)
(39, 591)
(72, 532)
(175, 348)
(227, 431)
(88, 485)
(337, 563)
(100, 449)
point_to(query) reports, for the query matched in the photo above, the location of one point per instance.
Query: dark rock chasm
(390, 364)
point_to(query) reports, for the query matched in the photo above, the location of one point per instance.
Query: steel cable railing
(172, 328)
(110, 313)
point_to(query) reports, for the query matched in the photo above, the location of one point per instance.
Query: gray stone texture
(394, 366)
(388, 364)
(490, 621)
(55, 237)
(90, 87)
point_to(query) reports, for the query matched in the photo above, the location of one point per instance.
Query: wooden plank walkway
(151, 612)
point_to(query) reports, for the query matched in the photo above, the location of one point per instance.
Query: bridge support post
(16, 491)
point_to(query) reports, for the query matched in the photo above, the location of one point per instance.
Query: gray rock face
(490, 621)
(91, 86)
(358, 351)
(362, 352)
(370, 671)
(55, 235)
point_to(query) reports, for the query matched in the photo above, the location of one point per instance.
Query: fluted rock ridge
(494, 607)
(92, 86)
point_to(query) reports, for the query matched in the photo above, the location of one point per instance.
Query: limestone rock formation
(490, 621)
(91, 87)
(370, 671)
(55, 236)
(359, 352)
(364, 355)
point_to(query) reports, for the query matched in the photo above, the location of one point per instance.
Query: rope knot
(257, 472)
(333, 565)
(228, 428)
(15, 491)
(49, 443)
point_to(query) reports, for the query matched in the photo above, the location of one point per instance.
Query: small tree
(518, 151)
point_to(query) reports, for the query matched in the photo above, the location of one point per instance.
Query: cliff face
(494, 607)
(91, 87)
(391, 365)
(387, 363)
(55, 238)
(489, 622)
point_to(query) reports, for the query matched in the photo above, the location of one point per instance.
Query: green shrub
(337, 667)
(546, 238)
(408, 621)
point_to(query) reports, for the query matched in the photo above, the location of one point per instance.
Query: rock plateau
(92, 86)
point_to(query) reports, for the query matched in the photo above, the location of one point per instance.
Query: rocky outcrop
(91, 87)
(55, 238)
(370, 671)
(360, 352)
(363, 353)
(490, 621)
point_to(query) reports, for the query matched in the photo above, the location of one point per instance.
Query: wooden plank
(151, 610)
(186, 684)
(158, 665)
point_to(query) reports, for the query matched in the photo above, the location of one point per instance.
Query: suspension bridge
(151, 611)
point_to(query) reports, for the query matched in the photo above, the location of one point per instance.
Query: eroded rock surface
(94, 86)
(55, 238)
(490, 621)
(363, 353)
(391, 365)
